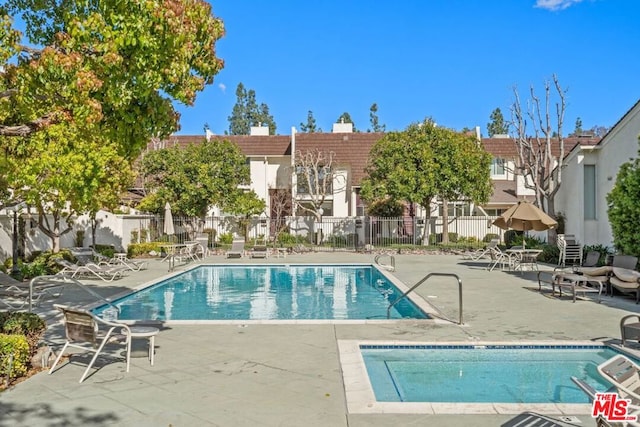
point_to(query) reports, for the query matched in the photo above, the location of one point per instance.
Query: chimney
(342, 127)
(208, 134)
(478, 134)
(259, 130)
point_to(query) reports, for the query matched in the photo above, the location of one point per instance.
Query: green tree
(97, 78)
(578, 129)
(497, 125)
(346, 118)
(624, 208)
(310, 126)
(247, 204)
(66, 173)
(425, 162)
(120, 65)
(194, 178)
(373, 118)
(246, 113)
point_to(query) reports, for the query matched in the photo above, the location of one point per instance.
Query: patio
(290, 375)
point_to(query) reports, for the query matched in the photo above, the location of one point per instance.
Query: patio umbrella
(168, 221)
(525, 216)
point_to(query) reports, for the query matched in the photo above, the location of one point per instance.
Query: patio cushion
(626, 275)
(596, 271)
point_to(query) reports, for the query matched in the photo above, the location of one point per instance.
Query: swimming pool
(474, 378)
(273, 292)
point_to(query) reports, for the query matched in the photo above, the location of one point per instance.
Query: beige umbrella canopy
(525, 216)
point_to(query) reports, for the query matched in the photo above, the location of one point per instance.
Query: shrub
(604, 252)
(226, 238)
(489, 237)
(27, 324)
(106, 250)
(437, 238)
(550, 254)
(509, 237)
(18, 346)
(142, 249)
(41, 263)
(285, 238)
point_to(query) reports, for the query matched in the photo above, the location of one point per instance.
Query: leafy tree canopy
(246, 113)
(116, 64)
(624, 208)
(427, 161)
(194, 178)
(66, 172)
(497, 125)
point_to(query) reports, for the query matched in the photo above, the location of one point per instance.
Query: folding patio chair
(85, 331)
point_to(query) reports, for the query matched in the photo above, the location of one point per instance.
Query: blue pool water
(499, 374)
(279, 292)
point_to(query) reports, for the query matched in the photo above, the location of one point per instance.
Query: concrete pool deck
(290, 375)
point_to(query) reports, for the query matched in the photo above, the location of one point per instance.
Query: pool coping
(435, 317)
(360, 398)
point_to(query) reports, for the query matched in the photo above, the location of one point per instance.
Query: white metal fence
(329, 233)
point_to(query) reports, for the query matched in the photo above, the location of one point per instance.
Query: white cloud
(222, 87)
(555, 4)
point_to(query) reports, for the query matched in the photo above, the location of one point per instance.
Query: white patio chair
(85, 331)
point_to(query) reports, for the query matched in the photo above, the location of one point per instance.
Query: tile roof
(255, 145)
(505, 147)
(351, 149)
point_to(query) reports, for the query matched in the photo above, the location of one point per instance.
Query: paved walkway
(290, 375)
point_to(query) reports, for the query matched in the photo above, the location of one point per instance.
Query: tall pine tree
(497, 126)
(373, 118)
(246, 113)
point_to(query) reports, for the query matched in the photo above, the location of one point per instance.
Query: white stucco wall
(267, 173)
(619, 146)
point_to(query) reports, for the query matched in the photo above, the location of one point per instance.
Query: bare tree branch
(540, 155)
(316, 174)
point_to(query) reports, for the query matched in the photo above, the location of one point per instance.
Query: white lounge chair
(104, 272)
(85, 331)
(237, 249)
(476, 255)
(260, 250)
(14, 294)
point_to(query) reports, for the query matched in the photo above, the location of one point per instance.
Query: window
(456, 209)
(497, 167)
(589, 191)
(327, 209)
(314, 176)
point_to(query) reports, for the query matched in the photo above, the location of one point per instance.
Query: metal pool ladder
(424, 279)
(388, 267)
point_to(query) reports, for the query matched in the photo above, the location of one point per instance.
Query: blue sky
(452, 60)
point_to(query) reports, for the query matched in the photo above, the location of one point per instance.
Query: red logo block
(612, 408)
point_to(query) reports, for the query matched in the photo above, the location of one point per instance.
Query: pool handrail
(389, 267)
(424, 279)
(64, 280)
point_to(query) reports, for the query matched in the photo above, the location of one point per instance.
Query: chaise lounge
(237, 249)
